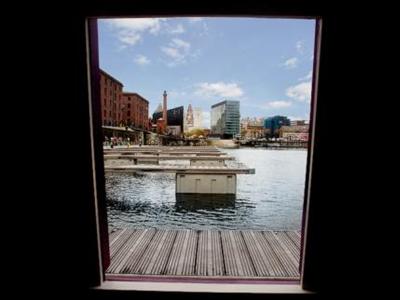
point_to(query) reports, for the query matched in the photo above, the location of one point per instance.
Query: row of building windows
(124, 108)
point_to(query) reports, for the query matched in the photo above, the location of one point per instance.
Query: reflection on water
(195, 202)
(270, 199)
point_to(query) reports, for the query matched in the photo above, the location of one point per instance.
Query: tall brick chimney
(165, 109)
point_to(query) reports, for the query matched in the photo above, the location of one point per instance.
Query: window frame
(100, 241)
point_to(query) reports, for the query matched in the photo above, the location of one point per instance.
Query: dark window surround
(309, 274)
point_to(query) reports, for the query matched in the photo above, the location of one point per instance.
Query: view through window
(206, 128)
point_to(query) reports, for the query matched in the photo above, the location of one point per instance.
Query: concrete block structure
(207, 173)
(205, 163)
(205, 183)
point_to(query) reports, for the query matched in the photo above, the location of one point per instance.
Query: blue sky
(266, 64)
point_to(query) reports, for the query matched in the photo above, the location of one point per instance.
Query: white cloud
(206, 119)
(291, 63)
(307, 77)
(178, 50)
(181, 44)
(129, 31)
(194, 19)
(176, 30)
(172, 52)
(300, 92)
(277, 104)
(129, 38)
(137, 24)
(300, 47)
(219, 89)
(141, 60)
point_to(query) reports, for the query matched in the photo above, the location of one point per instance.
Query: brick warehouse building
(111, 99)
(119, 108)
(136, 110)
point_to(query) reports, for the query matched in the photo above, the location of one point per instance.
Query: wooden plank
(284, 256)
(154, 259)
(164, 147)
(289, 244)
(118, 241)
(275, 267)
(182, 260)
(180, 169)
(265, 262)
(137, 251)
(295, 237)
(172, 152)
(209, 260)
(130, 253)
(245, 253)
(112, 233)
(160, 149)
(236, 256)
(121, 252)
(165, 157)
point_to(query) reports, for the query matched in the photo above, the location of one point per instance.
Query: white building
(197, 117)
(193, 118)
(298, 123)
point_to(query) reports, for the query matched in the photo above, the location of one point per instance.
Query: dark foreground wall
(65, 190)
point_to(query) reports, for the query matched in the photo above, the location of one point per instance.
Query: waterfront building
(294, 133)
(254, 132)
(197, 117)
(225, 119)
(135, 110)
(275, 123)
(174, 130)
(158, 109)
(111, 99)
(174, 118)
(193, 118)
(119, 108)
(256, 121)
(188, 119)
(252, 128)
(298, 123)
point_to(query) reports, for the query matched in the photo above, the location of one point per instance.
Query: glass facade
(174, 116)
(225, 119)
(276, 122)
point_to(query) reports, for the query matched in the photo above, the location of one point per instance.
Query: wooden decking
(210, 253)
(166, 157)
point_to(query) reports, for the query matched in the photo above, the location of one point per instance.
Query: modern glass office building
(225, 119)
(274, 123)
(174, 116)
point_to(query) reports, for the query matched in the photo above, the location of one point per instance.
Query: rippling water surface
(270, 199)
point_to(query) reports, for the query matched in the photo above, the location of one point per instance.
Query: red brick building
(294, 133)
(120, 108)
(111, 99)
(135, 110)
